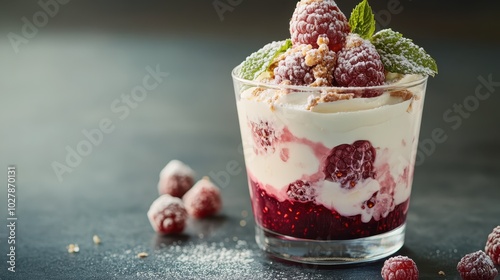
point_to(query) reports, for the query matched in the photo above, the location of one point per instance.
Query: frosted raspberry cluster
(180, 199)
(351, 61)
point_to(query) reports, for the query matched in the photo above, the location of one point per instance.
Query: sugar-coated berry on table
(176, 178)
(477, 266)
(492, 247)
(168, 215)
(399, 268)
(203, 199)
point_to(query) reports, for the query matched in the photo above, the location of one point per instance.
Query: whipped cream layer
(303, 136)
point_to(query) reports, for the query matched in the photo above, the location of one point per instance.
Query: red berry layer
(311, 221)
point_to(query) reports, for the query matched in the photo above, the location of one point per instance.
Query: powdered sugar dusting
(186, 261)
(206, 260)
(210, 256)
(401, 55)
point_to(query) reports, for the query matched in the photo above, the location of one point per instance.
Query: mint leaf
(362, 20)
(260, 60)
(401, 55)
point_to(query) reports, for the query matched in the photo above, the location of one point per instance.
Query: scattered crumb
(243, 223)
(142, 255)
(312, 102)
(331, 96)
(96, 239)
(405, 94)
(244, 213)
(441, 273)
(256, 92)
(73, 248)
(327, 96)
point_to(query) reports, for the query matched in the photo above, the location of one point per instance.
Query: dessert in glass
(329, 122)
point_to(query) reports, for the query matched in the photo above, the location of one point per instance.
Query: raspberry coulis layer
(311, 221)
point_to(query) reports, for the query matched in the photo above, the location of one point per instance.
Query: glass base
(330, 252)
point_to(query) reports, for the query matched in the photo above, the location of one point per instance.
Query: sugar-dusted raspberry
(176, 178)
(301, 191)
(293, 70)
(399, 268)
(319, 18)
(304, 65)
(359, 64)
(347, 164)
(477, 266)
(203, 199)
(167, 215)
(492, 247)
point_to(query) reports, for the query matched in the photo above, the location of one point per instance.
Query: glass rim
(419, 81)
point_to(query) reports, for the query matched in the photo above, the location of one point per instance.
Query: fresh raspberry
(301, 191)
(303, 65)
(176, 178)
(399, 268)
(477, 266)
(359, 65)
(492, 248)
(264, 136)
(167, 215)
(319, 18)
(348, 164)
(203, 199)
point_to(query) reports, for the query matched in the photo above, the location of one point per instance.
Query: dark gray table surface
(64, 82)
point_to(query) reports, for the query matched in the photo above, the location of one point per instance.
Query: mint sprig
(401, 55)
(398, 54)
(259, 61)
(362, 20)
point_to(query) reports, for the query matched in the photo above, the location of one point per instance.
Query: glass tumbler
(330, 169)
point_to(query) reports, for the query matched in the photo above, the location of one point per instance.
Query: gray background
(66, 77)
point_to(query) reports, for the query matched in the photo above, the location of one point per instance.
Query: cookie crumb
(142, 255)
(73, 248)
(96, 239)
(312, 101)
(404, 94)
(331, 96)
(244, 213)
(441, 273)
